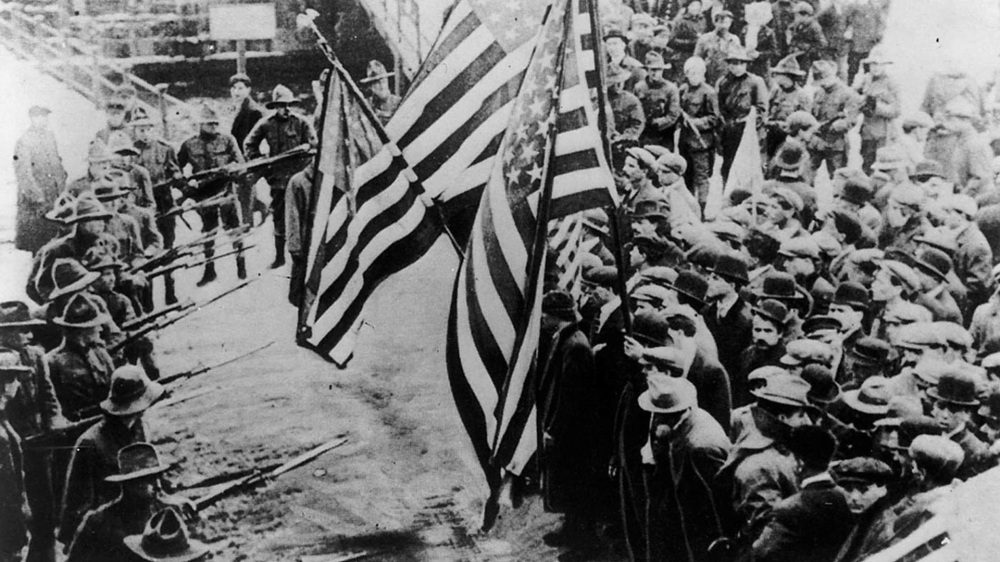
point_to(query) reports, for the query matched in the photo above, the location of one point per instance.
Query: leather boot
(170, 295)
(279, 253)
(208, 276)
(241, 267)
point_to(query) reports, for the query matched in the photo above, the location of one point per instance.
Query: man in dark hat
(166, 536)
(13, 502)
(932, 267)
(768, 330)
(660, 102)
(955, 402)
(739, 92)
(40, 176)
(804, 35)
(568, 403)
(616, 43)
(781, 286)
(686, 447)
(868, 357)
(208, 149)
(103, 530)
(283, 130)
(730, 317)
(786, 97)
(836, 107)
(851, 304)
(714, 46)
(379, 95)
(248, 111)
(95, 454)
(813, 523)
(701, 365)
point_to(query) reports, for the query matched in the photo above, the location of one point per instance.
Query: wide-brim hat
(787, 390)
(15, 315)
(668, 395)
(10, 364)
(131, 392)
(135, 461)
(81, 312)
(165, 539)
(872, 398)
(282, 96)
(68, 277)
(87, 208)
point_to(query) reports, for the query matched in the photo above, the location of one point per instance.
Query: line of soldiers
(800, 376)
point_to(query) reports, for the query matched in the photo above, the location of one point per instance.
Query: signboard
(233, 22)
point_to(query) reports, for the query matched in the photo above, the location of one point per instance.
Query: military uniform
(40, 279)
(13, 505)
(835, 106)
(781, 104)
(81, 378)
(806, 37)
(627, 110)
(297, 222)
(737, 96)
(101, 535)
(660, 101)
(40, 179)
(160, 160)
(714, 48)
(248, 115)
(701, 106)
(880, 106)
(149, 235)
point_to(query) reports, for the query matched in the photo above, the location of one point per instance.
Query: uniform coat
(661, 105)
(40, 176)
(714, 48)
(13, 505)
(627, 109)
(101, 535)
(974, 264)
(81, 377)
(806, 37)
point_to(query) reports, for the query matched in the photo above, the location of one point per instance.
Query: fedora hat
(731, 267)
(131, 392)
(69, 276)
(872, 398)
(138, 460)
(282, 96)
(934, 262)
(81, 312)
(693, 286)
(88, 208)
(375, 71)
(668, 395)
(784, 389)
(957, 388)
(99, 258)
(14, 315)
(165, 539)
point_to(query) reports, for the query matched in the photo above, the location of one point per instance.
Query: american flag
(445, 132)
(552, 163)
(569, 244)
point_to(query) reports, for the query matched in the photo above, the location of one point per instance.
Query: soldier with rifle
(836, 107)
(95, 454)
(124, 161)
(127, 237)
(283, 131)
(160, 160)
(207, 150)
(699, 119)
(101, 535)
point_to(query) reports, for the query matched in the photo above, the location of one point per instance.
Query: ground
(405, 486)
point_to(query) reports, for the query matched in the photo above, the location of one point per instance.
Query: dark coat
(631, 432)
(809, 526)
(82, 379)
(750, 359)
(712, 383)
(682, 519)
(13, 503)
(567, 419)
(35, 405)
(732, 334)
(40, 178)
(101, 535)
(249, 114)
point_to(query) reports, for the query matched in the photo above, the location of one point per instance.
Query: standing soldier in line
(969, 162)
(786, 97)
(283, 131)
(95, 455)
(714, 46)
(660, 103)
(297, 223)
(126, 160)
(116, 119)
(13, 503)
(835, 106)
(864, 21)
(98, 164)
(699, 119)
(81, 367)
(206, 150)
(40, 179)
(33, 410)
(248, 113)
(879, 106)
(379, 95)
(739, 92)
(805, 36)
(629, 120)
(160, 161)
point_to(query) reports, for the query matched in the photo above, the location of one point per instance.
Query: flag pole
(614, 215)
(308, 20)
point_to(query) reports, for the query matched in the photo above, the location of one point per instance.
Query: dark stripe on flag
(572, 120)
(453, 92)
(592, 79)
(380, 182)
(445, 150)
(506, 286)
(576, 202)
(460, 213)
(575, 161)
(482, 338)
(448, 45)
(511, 439)
(396, 256)
(491, 148)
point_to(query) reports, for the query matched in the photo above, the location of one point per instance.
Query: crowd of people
(795, 376)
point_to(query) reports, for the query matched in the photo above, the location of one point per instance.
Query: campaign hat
(165, 539)
(82, 312)
(14, 315)
(135, 461)
(282, 96)
(131, 391)
(69, 276)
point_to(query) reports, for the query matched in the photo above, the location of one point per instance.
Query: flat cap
(800, 247)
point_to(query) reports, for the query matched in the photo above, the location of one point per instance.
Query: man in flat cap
(904, 219)
(40, 176)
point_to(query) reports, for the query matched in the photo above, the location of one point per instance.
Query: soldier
(115, 112)
(699, 119)
(95, 454)
(144, 216)
(40, 179)
(865, 22)
(785, 98)
(739, 92)
(99, 160)
(80, 367)
(629, 119)
(13, 503)
(714, 46)
(283, 131)
(973, 258)
(835, 106)
(880, 106)
(102, 533)
(297, 223)
(125, 160)
(805, 36)
(969, 161)
(660, 103)
(169, 534)
(207, 150)
(379, 96)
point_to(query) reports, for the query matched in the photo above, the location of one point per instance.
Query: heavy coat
(95, 457)
(627, 110)
(738, 95)
(785, 102)
(82, 378)
(712, 383)
(809, 526)
(682, 519)
(101, 535)
(661, 105)
(40, 176)
(974, 263)
(701, 104)
(282, 135)
(807, 38)
(836, 107)
(246, 118)
(880, 106)
(35, 405)
(714, 48)
(567, 419)
(732, 334)
(13, 503)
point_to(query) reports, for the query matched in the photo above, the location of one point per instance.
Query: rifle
(261, 477)
(220, 199)
(201, 369)
(139, 321)
(196, 246)
(224, 478)
(188, 262)
(689, 123)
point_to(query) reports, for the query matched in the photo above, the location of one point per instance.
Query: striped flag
(569, 244)
(365, 227)
(551, 163)
(371, 217)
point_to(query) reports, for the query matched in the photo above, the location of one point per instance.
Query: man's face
(283, 111)
(143, 132)
(694, 8)
(632, 170)
(99, 169)
(115, 118)
(654, 60)
(642, 29)
(15, 339)
(667, 176)
(106, 281)
(798, 417)
(615, 47)
(86, 338)
(210, 128)
(883, 289)
(765, 333)
(239, 91)
(91, 227)
(861, 495)
(950, 417)
(718, 287)
(143, 488)
(736, 68)
(695, 75)
(849, 317)
(723, 23)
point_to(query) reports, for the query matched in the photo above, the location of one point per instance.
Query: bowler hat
(772, 310)
(779, 285)
(731, 267)
(871, 351)
(693, 286)
(650, 329)
(935, 262)
(14, 315)
(823, 388)
(165, 539)
(668, 395)
(81, 312)
(957, 388)
(138, 460)
(872, 398)
(558, 303)
(131, 391)
(281, 96)
(853, 295)
(69, 276)
(785, 389)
